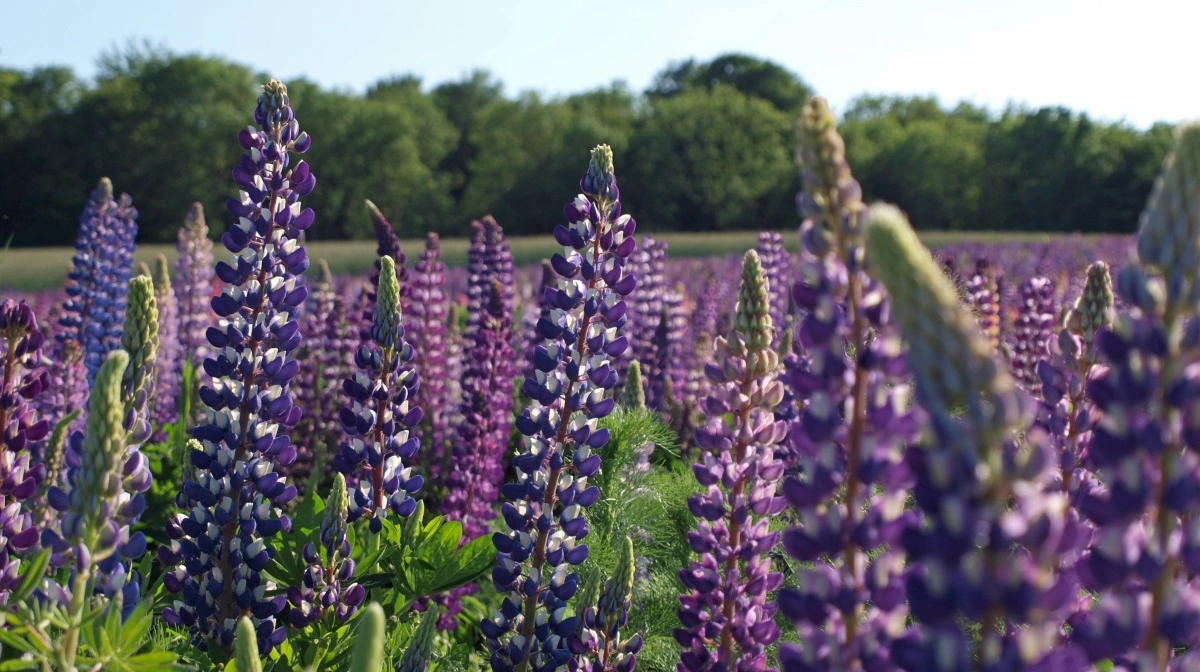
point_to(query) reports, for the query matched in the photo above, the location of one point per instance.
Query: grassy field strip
(32, 268)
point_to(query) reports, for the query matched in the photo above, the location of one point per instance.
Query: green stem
(70, 648)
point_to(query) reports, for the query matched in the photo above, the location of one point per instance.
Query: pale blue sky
(1115, 59)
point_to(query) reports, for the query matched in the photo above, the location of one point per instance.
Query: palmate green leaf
(435, 551)
(155, 661)
(136, 629)
(468, 564)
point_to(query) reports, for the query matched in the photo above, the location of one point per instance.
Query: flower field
(824, 449)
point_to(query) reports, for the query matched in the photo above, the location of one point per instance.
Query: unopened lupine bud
(387, 308)
(831, 196)
(752, 316)
(245, 646)
(369, 641)
(420, 647)
(1093, 309)
(90, 520)
(1168, 239)
(599, 181)
(949, 356)
(139, 340)
(633, 395)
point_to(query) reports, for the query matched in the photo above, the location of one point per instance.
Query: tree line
(708, 146)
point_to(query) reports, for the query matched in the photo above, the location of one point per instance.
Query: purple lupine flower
(983, 296)
(20, 429)
(776, 264)
(379, 421)
(314, 432)
(427, 333)
(70, 391)
(194, 285)
(1144, 559)
(169, 369)
(726, 620)
(103, 263)
(328, 579)
(477, 462)
(1033, 329)
(847, 443)
(985, 549)
(388, 245)
(544, 294)
(648, 265)
(220, 548)
(570, 391)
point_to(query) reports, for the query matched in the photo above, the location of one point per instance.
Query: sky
(1114, 59)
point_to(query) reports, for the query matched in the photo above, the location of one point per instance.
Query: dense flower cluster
(849, 432)
(477, 460)
(986, 548)
(379, 420)
(570, 391)
(388, 245)
(726, 620)
(221, 546)
(102, 265)
(194, 285)
(982, 295)
(427, 332)
(169, 369)
(776, 263)
(1033, 329)
(327, 583)
(321, 367)
(599, 647)
(23, 381)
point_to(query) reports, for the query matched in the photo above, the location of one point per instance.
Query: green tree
(751, 76)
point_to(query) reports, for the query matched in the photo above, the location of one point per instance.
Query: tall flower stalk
(726, 620)
(570, 389)
(102, 265)
(169, 369)
(194, 285)
(379, 421)
(222, 545)
(849, 398)
(427, 331)
(985, 550)
(22, 380)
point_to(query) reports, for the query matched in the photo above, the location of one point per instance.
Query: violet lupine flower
(70, 391)
(313, 432)
(570, 390)
(727, 623)
(103, 263)
(848, 439)
(20, 429)
(598, 646)
(1144, 558)
(477, 462)
(648, 265)
(327, 585)
(983, 296)
(194, 285)
(169, 369)
(220, 548)
(545, 293)
(1065, 412)
(1033, 329)
(986, 548)
(776, 264)
(379, 421)
(427, 333)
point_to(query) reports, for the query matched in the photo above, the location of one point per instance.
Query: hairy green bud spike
(1093, 309)
(142, 269)
(195, 220)
(162, 275)
(376, 213)
(369, 640)
(1168, 238)
(634, 396)
(334, 524)
(787, 341)
(618, 590)
(601, 164)
(324, 276)
(245, 646)
(951, 361)
(830, 192)
(416, 656)
(387, 330)
(752, 317)
(275, 94)
(103, 192)
(140, 341)
(98, 488)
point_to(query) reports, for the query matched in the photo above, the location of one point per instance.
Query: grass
(33, 268)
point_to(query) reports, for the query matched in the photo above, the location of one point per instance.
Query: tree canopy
(708, 146)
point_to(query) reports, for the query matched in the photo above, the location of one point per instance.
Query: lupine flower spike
(221, 546)
(598, 646)
(726, 620)
(328, 579)
(194, 284)
(570, 390)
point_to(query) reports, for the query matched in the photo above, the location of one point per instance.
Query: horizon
(1111, 65)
